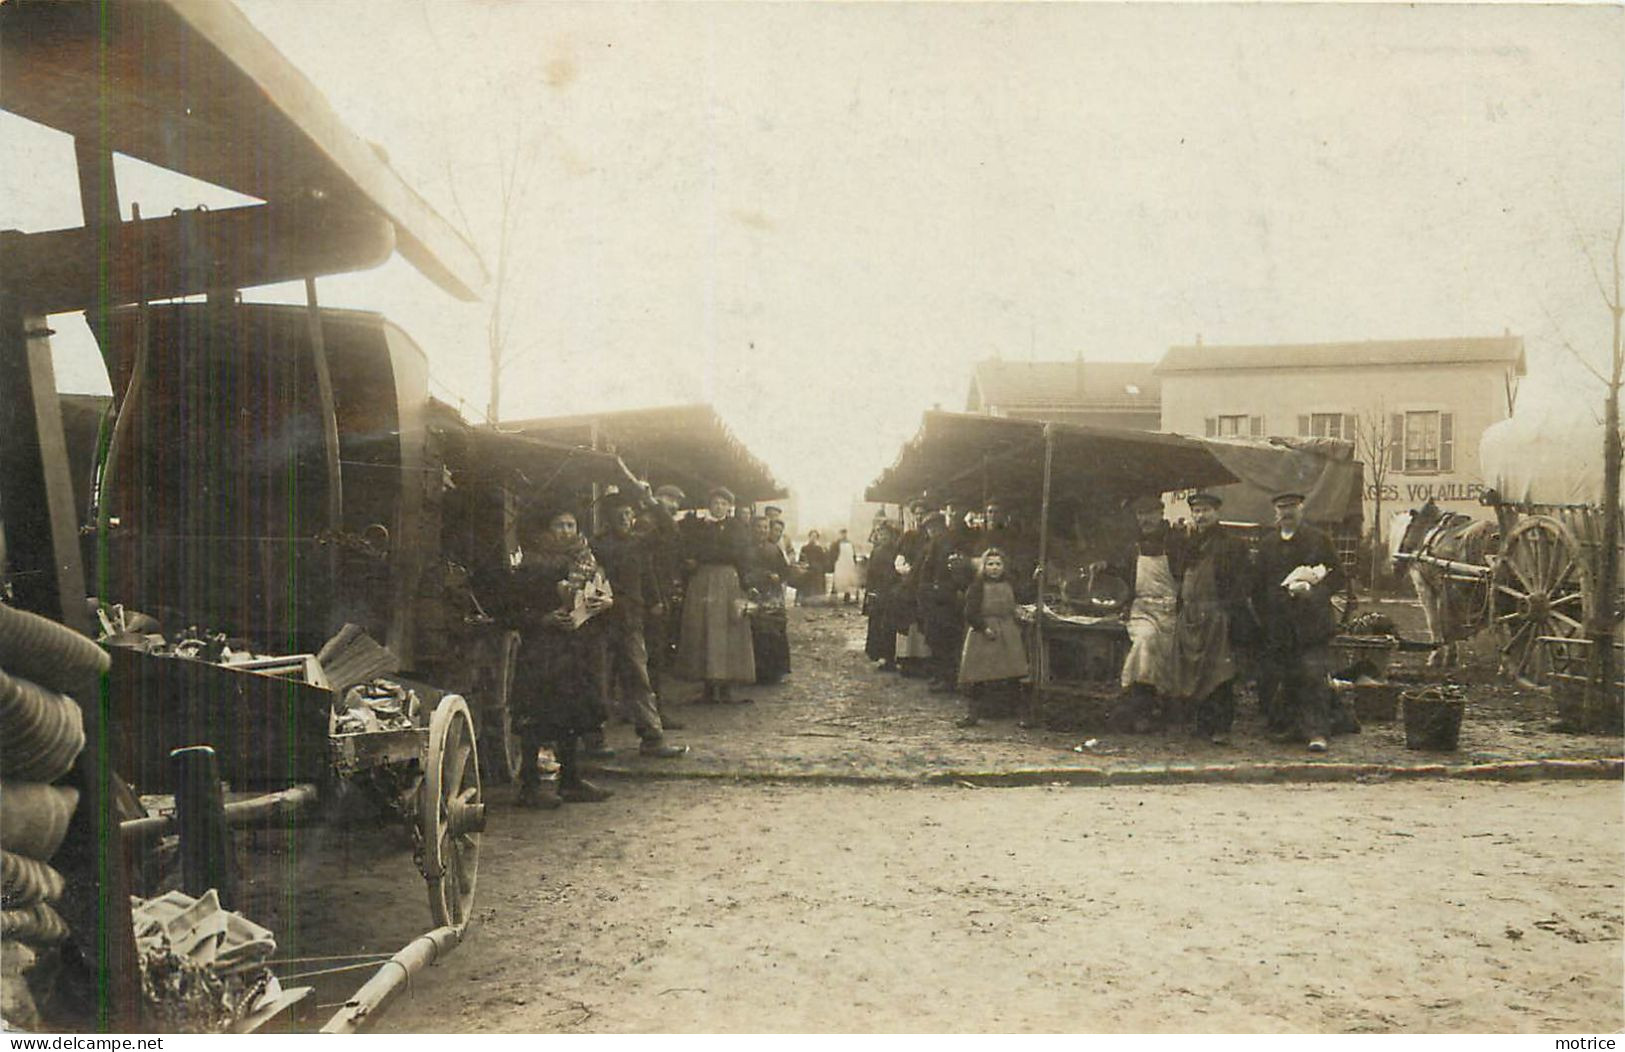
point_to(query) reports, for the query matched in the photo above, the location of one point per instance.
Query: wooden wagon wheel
(1539, 586)
(451, 814)
(500, 748)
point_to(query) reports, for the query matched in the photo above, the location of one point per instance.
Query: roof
(192, 86)
(546, 467)
(971, 456)
(961, 454)
(1101, 385)
(1454, 351)
(686, 445)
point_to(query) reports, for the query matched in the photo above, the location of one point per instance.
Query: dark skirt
(770, 642)
(557, 686)
(881, 642)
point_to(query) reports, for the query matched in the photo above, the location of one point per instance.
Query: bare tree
(512, 183)
(1600, 692)
(1600, 695)
(1372, 445)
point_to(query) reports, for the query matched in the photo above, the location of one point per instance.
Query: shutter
(1351, 427)
(1211, 426)
(1396, 442)
(1255, 426)
(1303, 425)
(1447, 442)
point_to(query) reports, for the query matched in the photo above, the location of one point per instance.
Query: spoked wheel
(451, 813)
(500, 750)
(1540, 586)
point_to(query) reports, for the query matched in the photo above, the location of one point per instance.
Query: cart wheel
(500, 751)
(451, 814)
(1540, 586)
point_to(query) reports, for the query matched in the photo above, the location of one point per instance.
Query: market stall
(1070, 482)
(685, 445)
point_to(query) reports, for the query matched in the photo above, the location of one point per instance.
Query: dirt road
(698, 907)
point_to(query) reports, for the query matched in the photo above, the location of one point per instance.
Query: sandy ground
(724, 905)
(696, 907)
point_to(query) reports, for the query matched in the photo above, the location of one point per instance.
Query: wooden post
(330, 426)
(99, 204)
(200, 818)
(1040, 651)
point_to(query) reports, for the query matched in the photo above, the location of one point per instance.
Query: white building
(1414, 408)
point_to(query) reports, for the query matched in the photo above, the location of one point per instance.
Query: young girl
(994, 659)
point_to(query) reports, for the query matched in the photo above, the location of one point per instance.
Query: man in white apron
(1150, 671)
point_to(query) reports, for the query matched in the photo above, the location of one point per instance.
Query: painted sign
(1422, 492)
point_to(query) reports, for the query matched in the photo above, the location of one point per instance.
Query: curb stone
(1605, 768)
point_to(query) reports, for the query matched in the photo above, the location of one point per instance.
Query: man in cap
(1298, 573)
(627, 563)
(1153, 569)
(911, 650)
(1212, 611)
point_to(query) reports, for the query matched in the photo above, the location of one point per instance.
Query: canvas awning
(540, 465)
(974, 457)
(687, 446)
(192, 86)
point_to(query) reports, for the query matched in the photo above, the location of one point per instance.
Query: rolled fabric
(34, 817)
(38, 925)
(51, 654)
(26, 881)
(43, 731)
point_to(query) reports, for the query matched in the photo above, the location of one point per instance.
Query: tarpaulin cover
(1550, 456)
(1323, 470)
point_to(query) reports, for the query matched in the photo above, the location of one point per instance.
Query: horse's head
(1410, 528)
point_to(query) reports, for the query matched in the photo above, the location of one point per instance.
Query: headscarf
(573, 555)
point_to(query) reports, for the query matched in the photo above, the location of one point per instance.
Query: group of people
(825, 571)
(1204, 609)
(942, 598)
(607, 623)
(1201, 610)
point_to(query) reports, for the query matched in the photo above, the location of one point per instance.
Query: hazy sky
(818, 217)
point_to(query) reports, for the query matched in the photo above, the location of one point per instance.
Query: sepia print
(628, 518)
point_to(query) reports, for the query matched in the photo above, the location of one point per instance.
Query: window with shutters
(1238, 425)
(1425, 442)
(1327, 425)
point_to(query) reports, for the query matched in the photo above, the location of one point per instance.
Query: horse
(1455, 604)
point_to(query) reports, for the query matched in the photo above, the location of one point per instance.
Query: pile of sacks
(43, 667)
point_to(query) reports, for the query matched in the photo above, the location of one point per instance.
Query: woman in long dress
(993, 660)
(716, 646)
(813, 563)
(880, 598)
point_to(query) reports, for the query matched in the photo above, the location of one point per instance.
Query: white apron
(1151, 623)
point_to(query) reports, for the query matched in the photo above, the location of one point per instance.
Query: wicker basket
(1433, 719)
